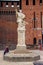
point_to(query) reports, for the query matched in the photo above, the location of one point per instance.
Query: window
(12, 5)
(34, 41)
(6, 4)
(40, 1)
(17, 4)
(11, 12)
(27, 2)
(33, 2)
(20, 4)
(2, 12)
(34, 19)
(7, 13)
(41, 19)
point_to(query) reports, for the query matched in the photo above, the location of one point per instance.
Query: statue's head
(20, 10)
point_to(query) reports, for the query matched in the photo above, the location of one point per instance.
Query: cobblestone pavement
(3, 62)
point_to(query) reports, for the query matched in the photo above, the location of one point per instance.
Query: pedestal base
(21, 55)
(21, 46)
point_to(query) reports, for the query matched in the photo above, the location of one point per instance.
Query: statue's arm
(16, 13)
(23, 16)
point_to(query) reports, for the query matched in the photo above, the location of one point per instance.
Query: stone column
(21, 34)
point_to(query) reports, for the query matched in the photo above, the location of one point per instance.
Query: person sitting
(6, 50)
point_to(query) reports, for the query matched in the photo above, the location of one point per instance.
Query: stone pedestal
(21, 34)
(22, 56)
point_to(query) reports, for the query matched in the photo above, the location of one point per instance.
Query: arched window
(41, 20)
(40, 1)
(27, 2)
(33, 2)
(17, 3)
(6, 3)
(12, 3)
(20, 4)
(34, 20)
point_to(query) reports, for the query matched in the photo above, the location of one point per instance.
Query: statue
(21, 28)
(20, 19)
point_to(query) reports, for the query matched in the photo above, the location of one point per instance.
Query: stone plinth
(21, 38)
(38, 63)
(21, 56)
(21, 34)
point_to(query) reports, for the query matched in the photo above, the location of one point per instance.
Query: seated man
(6, 50)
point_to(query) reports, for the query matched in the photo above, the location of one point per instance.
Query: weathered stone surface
(38, 63)
(21, 55)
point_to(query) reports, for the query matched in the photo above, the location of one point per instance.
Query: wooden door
(8, 31)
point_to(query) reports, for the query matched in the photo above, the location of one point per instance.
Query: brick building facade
(8, 24)
(33, 9)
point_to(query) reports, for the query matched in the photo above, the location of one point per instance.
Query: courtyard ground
(3, 62)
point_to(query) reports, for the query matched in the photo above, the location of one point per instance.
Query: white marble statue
(21, 28)
(20, 19)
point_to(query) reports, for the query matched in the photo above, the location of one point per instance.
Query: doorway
(34, 41)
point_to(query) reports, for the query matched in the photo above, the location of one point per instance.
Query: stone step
(24, 56)
(21, 47)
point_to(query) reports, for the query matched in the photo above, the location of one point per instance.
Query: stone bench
(38, 63)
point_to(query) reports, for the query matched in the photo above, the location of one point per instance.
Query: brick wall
(8, 26)
(29, 10)
(6, 23)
